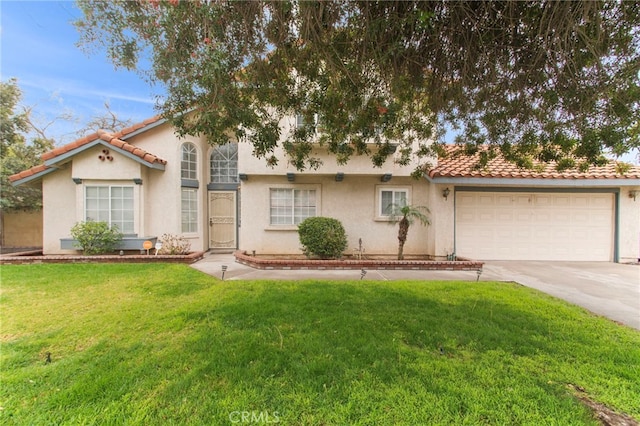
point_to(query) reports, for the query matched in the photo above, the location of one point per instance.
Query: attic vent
(105, 155)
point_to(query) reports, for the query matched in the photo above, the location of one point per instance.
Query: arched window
(224, 163)
(189, 162)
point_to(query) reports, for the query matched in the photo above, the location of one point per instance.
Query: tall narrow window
(189, 210)
(111, 204)
(189, 162)
(291, 206)
(224, 163)
(189, 190)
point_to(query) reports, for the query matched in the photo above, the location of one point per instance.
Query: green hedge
(96, 237)
(323, 237)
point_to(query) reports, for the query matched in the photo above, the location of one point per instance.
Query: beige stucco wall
(162, 189)
(88, 165)
(64, 199)
(352, 201)
(441, 237)
(22, 229)
(157, 200)
(357, 165)
(59, 211)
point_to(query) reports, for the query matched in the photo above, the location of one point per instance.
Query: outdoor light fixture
(137, 181)
(243, 176)
(362, 273)
(479, 272)
(224, 269)
(386, 177)
(445, 193)
(633, 194)
(291, 177)
(339, 177)
(77, 181)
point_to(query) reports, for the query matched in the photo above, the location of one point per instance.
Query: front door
(222, 220)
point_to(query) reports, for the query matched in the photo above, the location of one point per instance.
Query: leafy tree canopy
(24, 139)
(539, 80)
(15, 153)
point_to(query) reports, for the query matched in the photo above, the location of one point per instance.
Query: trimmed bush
(95, 237)
(323, 237)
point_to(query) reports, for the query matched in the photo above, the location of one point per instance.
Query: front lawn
(166, 344)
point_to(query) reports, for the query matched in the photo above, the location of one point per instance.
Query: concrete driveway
(608, 289)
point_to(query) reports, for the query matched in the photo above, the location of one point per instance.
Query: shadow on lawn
(344, 353)
(330, 315)
(312, 347)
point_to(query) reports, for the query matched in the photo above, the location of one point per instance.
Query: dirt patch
(604, 414)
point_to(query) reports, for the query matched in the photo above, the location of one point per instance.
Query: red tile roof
(128, 130)
(112, 139)
(458, 165)
(29, 172)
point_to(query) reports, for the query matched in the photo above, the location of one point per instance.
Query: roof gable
(61, 154)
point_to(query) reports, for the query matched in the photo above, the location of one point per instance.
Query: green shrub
(95, 237)
(323, 237)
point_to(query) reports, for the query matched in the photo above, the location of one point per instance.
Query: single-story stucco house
(149, 182)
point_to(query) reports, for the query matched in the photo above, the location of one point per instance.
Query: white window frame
(300, 122)
(381, 214)
(291, 224)
(192, 214)
(229, 165)
(110, 210)
(189, 165)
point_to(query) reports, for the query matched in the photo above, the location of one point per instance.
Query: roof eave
(146, 128)
(33, 177)
(548, 182)
(67, 155)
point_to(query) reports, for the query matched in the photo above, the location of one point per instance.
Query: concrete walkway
(608, 289)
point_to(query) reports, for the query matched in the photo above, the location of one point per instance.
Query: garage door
(534, 226)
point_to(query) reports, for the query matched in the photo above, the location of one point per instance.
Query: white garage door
(534, 226)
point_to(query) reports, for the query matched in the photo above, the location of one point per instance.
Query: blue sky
(38, 47)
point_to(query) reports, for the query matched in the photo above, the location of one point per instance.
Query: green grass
(165, 344)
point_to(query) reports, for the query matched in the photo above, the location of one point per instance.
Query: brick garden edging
(293, 264)
(13, 259)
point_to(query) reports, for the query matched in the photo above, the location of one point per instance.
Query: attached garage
(529, 225)
(502, 212)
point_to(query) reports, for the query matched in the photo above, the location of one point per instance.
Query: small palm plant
(404, 216)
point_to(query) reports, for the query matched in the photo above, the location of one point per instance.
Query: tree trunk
(402, 236)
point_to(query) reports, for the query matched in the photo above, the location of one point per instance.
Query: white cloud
(63, 88)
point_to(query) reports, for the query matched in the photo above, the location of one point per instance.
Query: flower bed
(379, 262)
(38, 257)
